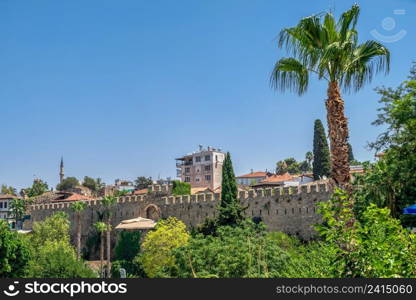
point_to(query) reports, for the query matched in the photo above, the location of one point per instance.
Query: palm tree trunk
(79, 235)
(102, 254)
(338, 136)
(108, 249)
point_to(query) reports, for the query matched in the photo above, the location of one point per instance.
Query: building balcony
(180, 164)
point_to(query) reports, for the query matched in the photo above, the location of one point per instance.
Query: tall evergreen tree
(321, 161)
(350, 153)
(230, 209)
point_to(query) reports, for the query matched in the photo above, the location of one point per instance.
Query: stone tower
(61, 170)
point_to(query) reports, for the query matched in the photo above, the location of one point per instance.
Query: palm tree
(330, 49)
(309, 158)
(101, 227)
(109, 202)
(78, 207)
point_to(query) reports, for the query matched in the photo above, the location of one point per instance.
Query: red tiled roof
(140, 192)
(8, 196)
(277, 178)
(253, 174)
(66, 196)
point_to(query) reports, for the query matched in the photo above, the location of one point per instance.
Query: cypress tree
(230, 209)
(350, 153)
(321, 161)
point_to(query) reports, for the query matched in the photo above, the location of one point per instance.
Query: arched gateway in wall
(152, 212)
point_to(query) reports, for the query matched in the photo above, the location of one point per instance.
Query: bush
(235, 252)
(15, 253)
(374, 246)
(158, 245)
(128, 245)
(58, 259)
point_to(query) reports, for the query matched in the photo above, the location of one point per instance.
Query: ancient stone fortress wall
(291, 210)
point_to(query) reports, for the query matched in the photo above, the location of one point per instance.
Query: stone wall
(290, 210)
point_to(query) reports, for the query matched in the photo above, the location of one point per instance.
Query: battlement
(169, 199)
(289, 209)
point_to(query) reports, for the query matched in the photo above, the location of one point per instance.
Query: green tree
(181, 188)
(57, 259)
(391, 181)
(321, 161)
(350, 154)
(15, 253)
(328, 48)
(18, 209)
(246, 251)
(142, 182)
(8, 190)
(158, 245)
(230, 210)
(374, 246)
(128, 245)
(108, 202)
(54, 257)
(127, 248)
(53, 228)
(281, 167)
(101, 227)
(67, 184)
(78, 207)
(38, 188)
(95, 185)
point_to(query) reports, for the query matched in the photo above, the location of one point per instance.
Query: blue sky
(121, 88)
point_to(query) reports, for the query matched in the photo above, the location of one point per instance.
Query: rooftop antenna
(200, 147)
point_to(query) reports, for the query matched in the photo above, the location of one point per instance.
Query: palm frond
(348, 21)
(366, 60)
(290, 74)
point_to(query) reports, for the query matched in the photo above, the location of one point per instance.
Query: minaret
(61, 170)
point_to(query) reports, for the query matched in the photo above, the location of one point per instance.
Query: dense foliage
(38, 188)
(53, 255)
(158, 244)
(375, 246)
(247, 251)
(128, 245)
(67, 184)
(391, 182)
(15, 253)
(142, 182)
(8, 190)
(95, 185)
(230, 211)
(181, 188)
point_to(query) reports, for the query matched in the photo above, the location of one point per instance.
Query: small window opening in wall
(285, 211)
(268, 212)
(307, 209)
(260, 212)
(300, 210)
(277, 211)
(314, 209)
(293, 211)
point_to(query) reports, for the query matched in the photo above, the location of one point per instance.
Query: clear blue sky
(121, 88)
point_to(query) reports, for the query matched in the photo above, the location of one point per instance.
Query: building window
(207, 157)
(208, 177)
(187, 170)
(197, 158)
(208, 168)
(1, 204)
(187, 179)
(5, 204)
(197, 179)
